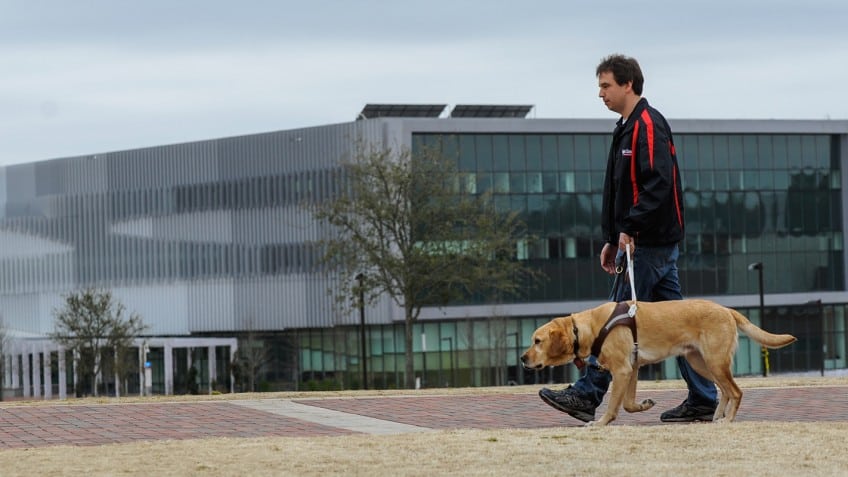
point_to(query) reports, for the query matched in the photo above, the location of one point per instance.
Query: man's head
(620, 82)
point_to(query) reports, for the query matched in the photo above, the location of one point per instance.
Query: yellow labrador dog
(702, 331)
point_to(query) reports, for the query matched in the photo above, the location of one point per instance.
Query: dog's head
(553, 345)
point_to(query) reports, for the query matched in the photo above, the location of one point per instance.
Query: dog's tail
(759, 335)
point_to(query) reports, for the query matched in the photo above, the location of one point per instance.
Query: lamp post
(450, 353)
(424, 358)
(758, 266)
(361, 278)
(518, 372)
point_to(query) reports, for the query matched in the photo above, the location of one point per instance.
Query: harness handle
(632, 310)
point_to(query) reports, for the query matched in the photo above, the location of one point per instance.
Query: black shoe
(569, 402)
(689, 413)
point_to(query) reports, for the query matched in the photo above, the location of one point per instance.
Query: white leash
(632, 310)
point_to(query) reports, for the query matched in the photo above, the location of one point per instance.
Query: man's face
(613, 94)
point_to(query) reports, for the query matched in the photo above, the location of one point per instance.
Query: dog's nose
(524, 358)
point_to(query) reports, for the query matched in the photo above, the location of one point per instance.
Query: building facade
(211, 239)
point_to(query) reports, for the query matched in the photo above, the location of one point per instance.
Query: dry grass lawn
(743, 448)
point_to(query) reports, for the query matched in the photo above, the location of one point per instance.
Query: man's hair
(624, 69)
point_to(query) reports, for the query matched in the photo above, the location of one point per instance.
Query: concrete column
(210, 356)
(169, 369)
(63, 375)
(26, 389)
(16, 363)
(233, 351)
(36, 374)
(7, 370)
(117, 378)
(48, 377)
(142, 384)
(76, 371)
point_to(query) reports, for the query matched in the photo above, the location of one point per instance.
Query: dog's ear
(557, 335)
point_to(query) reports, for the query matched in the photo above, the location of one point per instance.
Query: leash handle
(632, 310)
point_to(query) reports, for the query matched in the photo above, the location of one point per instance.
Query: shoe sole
(702, 418)
(579, 415)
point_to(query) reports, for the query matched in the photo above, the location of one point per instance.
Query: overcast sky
(89, 76)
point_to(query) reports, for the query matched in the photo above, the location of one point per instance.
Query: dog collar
(578, 361)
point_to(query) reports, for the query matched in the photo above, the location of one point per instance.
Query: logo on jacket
(627, 153)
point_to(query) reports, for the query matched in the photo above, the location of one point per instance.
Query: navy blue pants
(656, 278)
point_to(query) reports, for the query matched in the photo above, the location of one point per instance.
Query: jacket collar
(641, 105)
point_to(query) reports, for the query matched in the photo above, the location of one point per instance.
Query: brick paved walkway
(45, 425)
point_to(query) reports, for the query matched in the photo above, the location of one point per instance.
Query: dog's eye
(537, 341)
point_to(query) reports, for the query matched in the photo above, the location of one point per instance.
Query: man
(643, 207)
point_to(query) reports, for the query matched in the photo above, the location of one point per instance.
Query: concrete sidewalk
(69, 424)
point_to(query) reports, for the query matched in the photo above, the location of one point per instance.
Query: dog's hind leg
(630, 395)
(731, 395)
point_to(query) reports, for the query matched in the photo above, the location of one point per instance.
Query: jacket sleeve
(651, 174)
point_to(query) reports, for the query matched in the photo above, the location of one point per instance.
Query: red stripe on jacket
(633, 149)
(676, 198)
(649, 129)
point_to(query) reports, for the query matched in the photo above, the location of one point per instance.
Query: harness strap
(620, 316)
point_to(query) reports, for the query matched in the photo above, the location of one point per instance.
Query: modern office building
(210, 239)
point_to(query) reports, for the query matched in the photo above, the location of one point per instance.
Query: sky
(94, 76)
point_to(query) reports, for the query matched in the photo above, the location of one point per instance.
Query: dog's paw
(647, 404)
(591, 424)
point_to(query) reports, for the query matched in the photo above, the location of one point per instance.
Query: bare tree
(95, 326)
(416, 231)
(252, 355)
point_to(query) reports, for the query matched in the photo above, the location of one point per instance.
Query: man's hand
(608, 258)
(623, 240)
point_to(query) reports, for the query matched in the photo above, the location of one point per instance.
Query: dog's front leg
(630, 397)
(618, 387)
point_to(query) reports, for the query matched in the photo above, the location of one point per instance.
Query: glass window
(534, 153)
(600, 151)
(483, 149)
(517, 154)
(566, 182)
(467, 157)
(566, 153)
(765, 151)
(450, 145)
(549, 153)
(582, 152)
(597, 180)
(468, 183)
(552, 225)
(722, 180)
(749, 153)
(583, 182)
(484, 182)
(778, 152)
(500, 152)
(793, 151)
(781, 179)
(517, 182)
(534, 182)
(502, 182)
(809, 157)
(705, 152)
(721, 152)
(550, 182)
(687, 151)
(736, 151)
(535, 214)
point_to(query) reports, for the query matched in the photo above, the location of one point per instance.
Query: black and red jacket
(643, 195)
